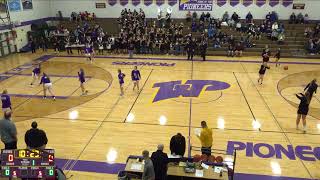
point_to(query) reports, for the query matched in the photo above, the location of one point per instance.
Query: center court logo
(191, 88)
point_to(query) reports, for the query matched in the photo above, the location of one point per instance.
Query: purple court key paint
(192, 88)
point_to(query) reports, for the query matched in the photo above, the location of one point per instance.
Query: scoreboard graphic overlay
(27, 163)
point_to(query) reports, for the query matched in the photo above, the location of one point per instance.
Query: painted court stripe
(36, 96)
(51, 75)
(182, 59)
(114, 168)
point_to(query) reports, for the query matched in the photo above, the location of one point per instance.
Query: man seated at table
(178, 145)
(148, 171)
(160, 163)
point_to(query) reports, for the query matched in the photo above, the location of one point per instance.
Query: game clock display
(27, 163)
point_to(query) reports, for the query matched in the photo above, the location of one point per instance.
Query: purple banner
(135, 2)
(148, 2)
(112, 2)
(195, 5)
(234, 2)
(172, 2)
(124, 2)
(273, 3)
(159, 2)
(260, 2)
(221, 2)
(247, 3)
(287, 3)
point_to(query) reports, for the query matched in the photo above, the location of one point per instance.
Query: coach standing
(35, 138)
(6, 102)
(8, 131)
(203, 50)
(190, 49)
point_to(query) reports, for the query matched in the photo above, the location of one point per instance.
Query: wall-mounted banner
(247, 3)
(27, 4)
(287, 3)
(14, 5)
(172, 2)
(234, 2)
(148, 2)
(135, 2)
(273, 3)
(195, 5)
(260, 2)
(112, 2)
(123, 2)
(221, 2)
(159, 2)
(298, 6)
(100, 5)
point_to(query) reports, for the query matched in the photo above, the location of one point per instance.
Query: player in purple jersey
(89, 52)
(135, 76)
(35, 74)
(121, 81)
(6, 102)
(82, 81)
(47, 85)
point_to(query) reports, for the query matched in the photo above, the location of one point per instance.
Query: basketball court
(93, 135)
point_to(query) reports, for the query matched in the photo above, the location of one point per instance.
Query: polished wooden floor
(100, 124)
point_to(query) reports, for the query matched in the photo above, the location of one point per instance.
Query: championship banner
(260, 2)
(172, 2)
(123, 2)
(148, 2)
(221, 2)
(273, 3)
(287, 3)
(159, 2)
(247, 3)
(112, 2)
(135, 2)
(234, 2)
(195, 5)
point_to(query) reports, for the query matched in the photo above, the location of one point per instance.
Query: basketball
(204, 157)
(211, 159)
(285, 68)
(219, 159)
(196, 158)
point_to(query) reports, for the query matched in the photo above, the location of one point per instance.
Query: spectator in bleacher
(8, 131)
(306, 19)
(316, 29)
(293, 18)
(216, 43)
(275, 26)
(160, 163)
(210, 32)
(308, 32)
(178, 145)
(238, 26)
(235, 17)
(300, 18)
(225, 17)
(194, 16)
(188, 16)
(205, 138)
(194, 26)
(273, 17)
(148, 171)
(35, 138)
(311, 47)
(249, 17)
(208, 15)
(281, 38)
(238, 49)
(268, 17)
(202, 17)
(230, 52)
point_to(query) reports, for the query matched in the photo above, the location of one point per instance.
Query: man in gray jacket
(8, 131)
